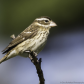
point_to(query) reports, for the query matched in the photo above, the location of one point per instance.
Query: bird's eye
(46, 21)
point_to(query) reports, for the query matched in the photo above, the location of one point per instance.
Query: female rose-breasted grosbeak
(33, 38)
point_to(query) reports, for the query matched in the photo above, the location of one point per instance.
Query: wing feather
(26, 34)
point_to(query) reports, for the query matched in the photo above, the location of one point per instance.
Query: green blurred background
(16, 15)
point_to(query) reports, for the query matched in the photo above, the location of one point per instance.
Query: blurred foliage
(16, 15)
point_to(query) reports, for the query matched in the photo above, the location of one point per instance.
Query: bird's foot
(34, 53)
(31, 52)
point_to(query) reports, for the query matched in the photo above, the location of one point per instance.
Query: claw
(34, 53)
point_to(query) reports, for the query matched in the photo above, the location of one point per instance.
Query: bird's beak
(53, 24)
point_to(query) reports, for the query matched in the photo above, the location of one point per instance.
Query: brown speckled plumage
(32, 38)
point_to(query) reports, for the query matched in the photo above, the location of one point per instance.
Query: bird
(33, 38)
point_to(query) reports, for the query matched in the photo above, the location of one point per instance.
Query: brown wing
(26, 34)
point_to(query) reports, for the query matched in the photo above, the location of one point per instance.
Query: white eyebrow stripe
(42, 19)
(42, 25)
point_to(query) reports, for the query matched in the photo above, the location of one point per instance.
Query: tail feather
(9, 55)
(4, 58)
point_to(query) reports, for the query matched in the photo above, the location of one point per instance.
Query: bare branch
(12, 36)
(37, 64)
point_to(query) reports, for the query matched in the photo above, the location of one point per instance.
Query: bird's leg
(34, 53)
(31, 53)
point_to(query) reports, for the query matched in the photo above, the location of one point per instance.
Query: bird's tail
(4, 58)
(9, 55)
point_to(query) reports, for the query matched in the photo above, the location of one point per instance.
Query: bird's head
(45, 22)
